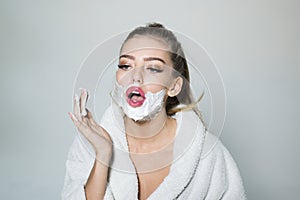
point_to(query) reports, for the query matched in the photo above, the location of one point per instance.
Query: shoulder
(213, 148)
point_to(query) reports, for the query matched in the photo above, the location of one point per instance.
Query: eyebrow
(145, 59)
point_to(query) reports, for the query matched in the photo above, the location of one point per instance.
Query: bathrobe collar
(187, 150)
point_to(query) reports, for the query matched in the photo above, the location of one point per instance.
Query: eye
(124, 67)
(154, 69)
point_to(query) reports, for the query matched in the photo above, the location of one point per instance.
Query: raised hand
(88, 127)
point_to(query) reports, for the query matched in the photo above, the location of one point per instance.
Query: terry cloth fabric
(202, 167)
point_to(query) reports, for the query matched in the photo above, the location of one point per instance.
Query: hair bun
(155, 25)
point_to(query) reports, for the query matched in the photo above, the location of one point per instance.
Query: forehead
(140, 45)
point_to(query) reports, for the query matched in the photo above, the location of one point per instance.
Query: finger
(83, 99)
(87, 95)
(79, 124)
(93, 124)
(86, 121)
(90, 118)
(88, 130)
(72, 116)
(76, 107)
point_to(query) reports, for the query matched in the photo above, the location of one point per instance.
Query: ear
(175, 87)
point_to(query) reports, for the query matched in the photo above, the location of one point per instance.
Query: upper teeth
(135, 92)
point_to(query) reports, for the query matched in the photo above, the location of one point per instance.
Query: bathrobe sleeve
(78, 167)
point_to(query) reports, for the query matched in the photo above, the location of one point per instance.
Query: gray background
(254, 43)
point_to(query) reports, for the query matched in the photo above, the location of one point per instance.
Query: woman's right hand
(88, 127)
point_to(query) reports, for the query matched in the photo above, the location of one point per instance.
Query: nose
(137, 76)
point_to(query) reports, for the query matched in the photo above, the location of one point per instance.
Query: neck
(146, 130)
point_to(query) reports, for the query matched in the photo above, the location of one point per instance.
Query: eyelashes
(150, 68)
(154, 70)
(124, 67)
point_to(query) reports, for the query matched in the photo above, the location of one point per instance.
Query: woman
(154, 120)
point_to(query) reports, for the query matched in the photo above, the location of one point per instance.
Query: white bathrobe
(202, 168)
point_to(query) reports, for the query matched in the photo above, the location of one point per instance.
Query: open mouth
(135, 96)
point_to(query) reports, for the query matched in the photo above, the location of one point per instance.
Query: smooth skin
(101, 142)
(142, 137)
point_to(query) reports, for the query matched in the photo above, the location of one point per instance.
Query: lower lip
(135, 103)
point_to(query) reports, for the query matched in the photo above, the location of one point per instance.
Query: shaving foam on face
(150, 108)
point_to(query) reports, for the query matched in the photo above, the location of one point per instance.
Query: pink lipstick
(135, 96)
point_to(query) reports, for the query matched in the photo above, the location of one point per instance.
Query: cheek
(120, 77)
(156, 85)
(161, 80)
(153, 87)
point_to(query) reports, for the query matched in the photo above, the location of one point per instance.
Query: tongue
(137, 98)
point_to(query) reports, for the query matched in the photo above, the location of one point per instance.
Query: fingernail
(72, 116)
(83, 90)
